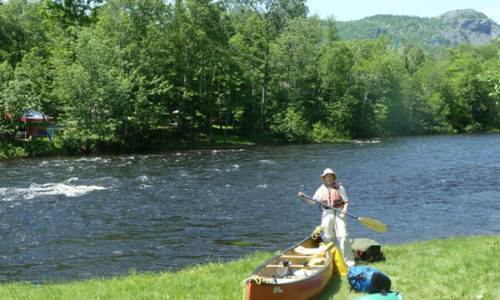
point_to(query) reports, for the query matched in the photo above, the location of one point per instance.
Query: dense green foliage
(119, 74)
(459, 268)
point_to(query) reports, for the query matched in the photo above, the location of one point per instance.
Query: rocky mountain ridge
(450, 29)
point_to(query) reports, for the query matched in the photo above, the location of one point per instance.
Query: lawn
(457, 268)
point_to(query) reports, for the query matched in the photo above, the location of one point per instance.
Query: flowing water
(68, 218)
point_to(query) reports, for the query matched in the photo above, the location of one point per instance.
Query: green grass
(458, 268)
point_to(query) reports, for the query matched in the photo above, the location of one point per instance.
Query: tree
(71, 13)
(273, 16)
(94, 90)
(6, 122)
(143, 33)
(21, 28)
(296, 54)
(469, 102)
(423, 89)
(209, 43)
(338, 107)
(295, 57)
(20, 94)
(489, 78)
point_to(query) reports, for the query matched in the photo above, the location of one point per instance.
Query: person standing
(334, 223)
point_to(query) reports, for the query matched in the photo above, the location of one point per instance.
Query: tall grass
(458, 268)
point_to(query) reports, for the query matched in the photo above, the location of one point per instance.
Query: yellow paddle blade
(373, 224)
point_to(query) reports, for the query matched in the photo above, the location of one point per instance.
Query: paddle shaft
(329, 206)
(370, 223)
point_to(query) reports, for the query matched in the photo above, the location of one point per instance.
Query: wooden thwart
(294, 266)
(297, 256)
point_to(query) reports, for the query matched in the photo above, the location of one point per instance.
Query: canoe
(300, 272)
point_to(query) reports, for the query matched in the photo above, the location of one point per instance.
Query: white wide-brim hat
(328, 171)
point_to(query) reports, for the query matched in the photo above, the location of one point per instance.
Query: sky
(349, 10)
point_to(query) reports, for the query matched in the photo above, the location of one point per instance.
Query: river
(71, 218)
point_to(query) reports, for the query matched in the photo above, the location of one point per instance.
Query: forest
(123, 75)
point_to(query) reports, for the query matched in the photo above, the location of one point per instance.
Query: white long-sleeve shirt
(319, 192)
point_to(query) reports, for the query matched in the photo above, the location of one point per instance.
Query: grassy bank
(459, 268)
(163, 139)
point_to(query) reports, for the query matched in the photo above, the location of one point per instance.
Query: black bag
(367, 250)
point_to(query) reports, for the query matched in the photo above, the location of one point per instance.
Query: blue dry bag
(368, 279)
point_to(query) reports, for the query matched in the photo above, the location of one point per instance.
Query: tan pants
(335, 226)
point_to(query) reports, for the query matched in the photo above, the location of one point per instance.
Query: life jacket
(332, 196)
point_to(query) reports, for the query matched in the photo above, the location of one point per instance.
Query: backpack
(368, 279)
(367, 250)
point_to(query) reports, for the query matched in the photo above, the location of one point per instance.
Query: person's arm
(317, 196)
(301, 195)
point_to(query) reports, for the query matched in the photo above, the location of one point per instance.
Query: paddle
(370, 223)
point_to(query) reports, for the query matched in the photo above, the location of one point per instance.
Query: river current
(70, 218)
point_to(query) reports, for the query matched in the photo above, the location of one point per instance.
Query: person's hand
(343, 212)
(301, 194)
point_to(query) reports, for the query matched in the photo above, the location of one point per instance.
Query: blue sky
(348, 10)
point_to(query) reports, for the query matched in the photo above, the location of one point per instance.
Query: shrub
(292, 126)
(9, 150)
(322, 133)
(37, 147)
(73, 141)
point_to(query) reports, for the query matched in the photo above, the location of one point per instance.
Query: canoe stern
(308, 288)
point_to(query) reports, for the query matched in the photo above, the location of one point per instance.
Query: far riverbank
(43, 147)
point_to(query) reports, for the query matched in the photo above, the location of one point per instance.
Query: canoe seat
(321, 248)
(317, 261)
(303, 250)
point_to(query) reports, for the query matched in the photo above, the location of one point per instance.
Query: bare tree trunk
(287, 95)
(210, 111)
(228, 113)
(264, 88)
(365, 98)
(181, 123)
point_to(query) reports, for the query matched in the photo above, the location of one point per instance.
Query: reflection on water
(71, 218)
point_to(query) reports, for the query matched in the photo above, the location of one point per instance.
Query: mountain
(450, 29)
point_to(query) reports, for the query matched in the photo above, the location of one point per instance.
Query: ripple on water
(68, 188)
